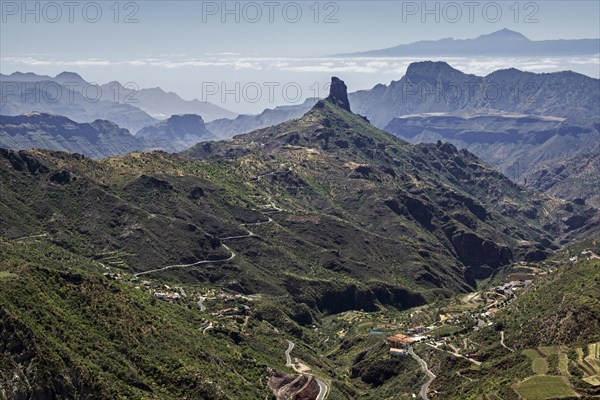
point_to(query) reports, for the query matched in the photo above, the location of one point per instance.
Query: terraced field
(591, 364)
(539, 363)
(542, 387)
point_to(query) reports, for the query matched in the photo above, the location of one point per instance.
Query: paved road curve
(231, 257)
(201, 303)
(431, 375)
(288, 357)
(503, 344)
(323, 388)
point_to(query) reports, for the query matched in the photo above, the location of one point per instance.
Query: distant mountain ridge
(176, 133)
(98, 139)
(514, 144)
(53, 97)
(500, 43)
(154, 101)
(437, 87)
(226, 128)
(161, 104)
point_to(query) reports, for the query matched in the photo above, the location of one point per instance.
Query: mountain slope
(573, 178)
(429, 192)
(227, 128)
(159, 276)
(514, 144)
(437, 87)
(500, 43)
(554, 360)
(176, 133)
(97, 139)
(73, 328)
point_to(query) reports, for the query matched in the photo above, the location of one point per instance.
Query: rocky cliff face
(338, 94)
(576, 178)
(177, 133)
(436, 87)
(515, 145)
(97, 139)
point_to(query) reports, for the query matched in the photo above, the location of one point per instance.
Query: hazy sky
(183, 45)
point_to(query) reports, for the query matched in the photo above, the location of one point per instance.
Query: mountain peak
(338, 94)
(69, 75)
(506, 34)
(194, 119)
(429, 69)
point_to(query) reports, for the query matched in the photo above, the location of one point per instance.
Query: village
(225, 305)
(475, 311)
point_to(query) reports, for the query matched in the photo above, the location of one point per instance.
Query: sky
(251, 55)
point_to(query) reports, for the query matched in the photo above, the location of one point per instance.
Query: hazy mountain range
(516, 121)
(100, 138)
(514, 144)
(176, 133)
(144, 106)
(500, 43)
(20, 97)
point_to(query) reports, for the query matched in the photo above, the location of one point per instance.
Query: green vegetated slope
(551, 352)
(427, 193)
(352, 219)
(69, 332)
(551, 332)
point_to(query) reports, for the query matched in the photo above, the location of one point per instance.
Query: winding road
(503, 344)
(425, 368)
(152, 271)
(249, 233)
(288, 357)
(323, 388)
(201, 303)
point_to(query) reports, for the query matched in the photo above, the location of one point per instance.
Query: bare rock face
(293, 387)
(338, 94)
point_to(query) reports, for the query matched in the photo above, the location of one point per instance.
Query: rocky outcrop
(176, 133)
(338, 94)
(293, 387)
(479, 254)
(575, 178)
(98, 139)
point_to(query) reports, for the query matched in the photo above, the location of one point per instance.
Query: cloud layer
(360, 65)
